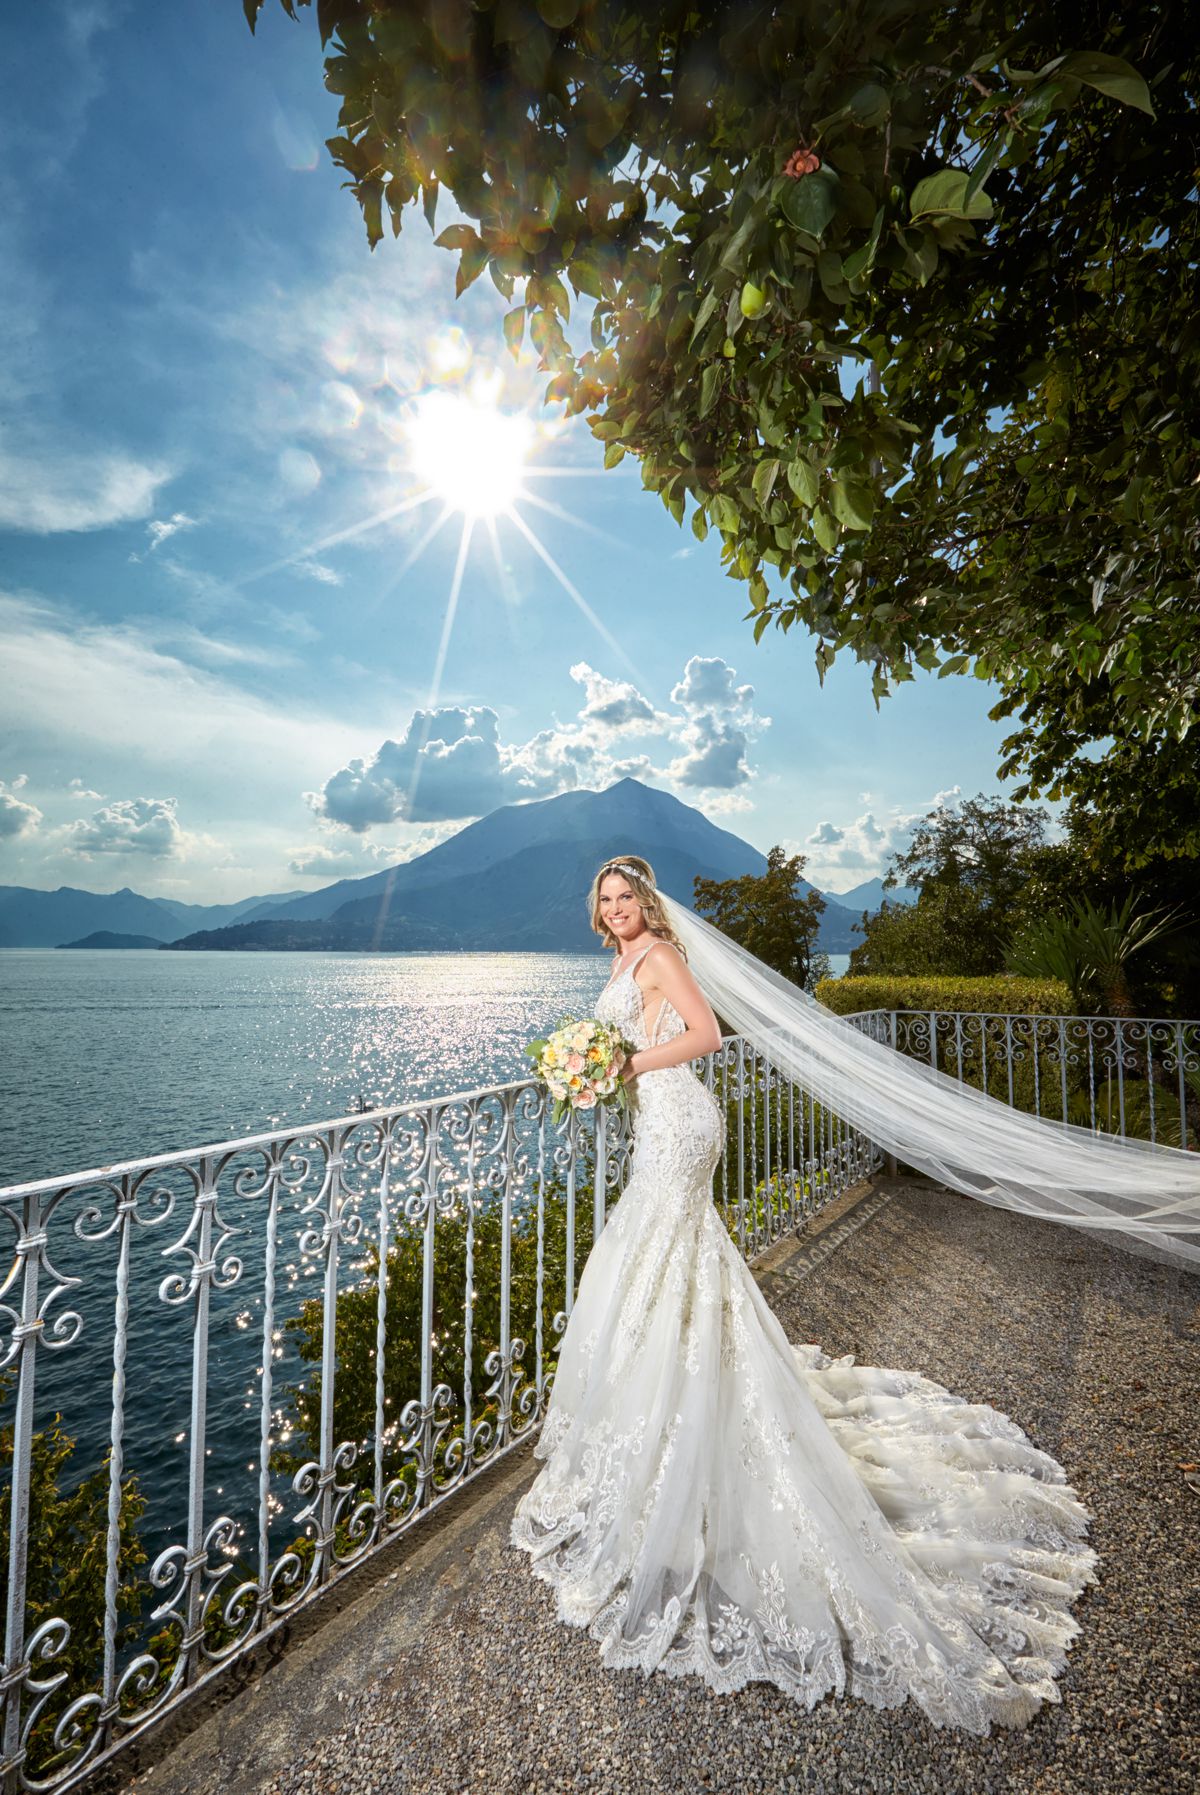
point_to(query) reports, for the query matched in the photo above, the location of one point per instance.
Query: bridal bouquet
(581, 1064)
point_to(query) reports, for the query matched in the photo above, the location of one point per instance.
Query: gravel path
(1096, 1355)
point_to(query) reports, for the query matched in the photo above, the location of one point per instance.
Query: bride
(718, 1501)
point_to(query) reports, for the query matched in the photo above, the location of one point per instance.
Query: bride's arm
(674, 982)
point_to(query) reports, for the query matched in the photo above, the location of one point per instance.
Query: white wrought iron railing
(341, 1340)
(1119, 1074)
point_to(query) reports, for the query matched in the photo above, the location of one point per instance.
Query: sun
(468, 452)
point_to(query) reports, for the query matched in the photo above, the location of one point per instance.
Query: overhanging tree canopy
(989, 207)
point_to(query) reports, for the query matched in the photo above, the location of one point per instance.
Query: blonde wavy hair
(639, 875)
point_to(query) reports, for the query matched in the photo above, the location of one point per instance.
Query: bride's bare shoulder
(661, 956)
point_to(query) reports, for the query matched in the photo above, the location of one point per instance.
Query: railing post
(601, 1178)
(25, 1333)
(196, 1559)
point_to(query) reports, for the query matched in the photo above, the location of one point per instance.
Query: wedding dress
(717, 1501)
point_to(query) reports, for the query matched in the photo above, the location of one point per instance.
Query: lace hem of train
(1003, 1547)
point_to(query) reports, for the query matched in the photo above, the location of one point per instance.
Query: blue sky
(216, 681)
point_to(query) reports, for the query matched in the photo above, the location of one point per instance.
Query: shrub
(999, 994)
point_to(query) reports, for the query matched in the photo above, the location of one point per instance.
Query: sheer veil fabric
(715, 1501)
(1138, 1195)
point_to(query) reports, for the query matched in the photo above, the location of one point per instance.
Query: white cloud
(161, 529)
(721, 720)
(47, 488)
(322, 862)
(124, 705)
(317, 570)
(146, 826)
(78, 789)
(452, 764)
(16, 816)
(842, 855)
(448, 764)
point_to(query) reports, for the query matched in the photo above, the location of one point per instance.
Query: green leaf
(870, 104)
(708, 306)
(985, 164)
(725, 513)
(514, 329)
(853, 504)
(811, 201)
(763, 481)
(946, 192)
(429, 200)
(457, 236)
(613, 454)
(711, 381)
(558, 13)
(956, 664)
(804, 481)
(699, 525)
(1110, 75)
(825, 529)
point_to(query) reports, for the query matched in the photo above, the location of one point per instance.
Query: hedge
(1000, 994)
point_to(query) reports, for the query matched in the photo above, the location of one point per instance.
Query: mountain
(31, 918)
(517, 880)
(514, 880)
(106, 938)
(870, 894)
(219, 916)
(333, 933)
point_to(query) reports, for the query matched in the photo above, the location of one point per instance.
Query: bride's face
(619, 909)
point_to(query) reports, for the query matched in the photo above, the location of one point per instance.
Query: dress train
(717, 1501)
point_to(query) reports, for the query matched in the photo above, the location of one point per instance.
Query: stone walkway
(450, 1673)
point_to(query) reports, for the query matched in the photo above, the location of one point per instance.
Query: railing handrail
(1021, 1016)
(250, 1142)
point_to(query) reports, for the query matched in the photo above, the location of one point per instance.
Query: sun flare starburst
(468, 452)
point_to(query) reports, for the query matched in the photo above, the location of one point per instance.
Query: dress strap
(636, 961)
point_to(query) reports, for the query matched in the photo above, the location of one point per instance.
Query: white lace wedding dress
(718, 1501)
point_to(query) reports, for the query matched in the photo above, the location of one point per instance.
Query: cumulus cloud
(842, 855)
(452, 764)
(78, 789)
(16, 816)
(146, 826)
(720, 722)
(448, 764)
(320, 861)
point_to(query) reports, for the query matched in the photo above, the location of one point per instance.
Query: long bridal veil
(1144, 1196)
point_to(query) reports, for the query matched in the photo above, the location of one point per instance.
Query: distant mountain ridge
(32, 918)
(514, 880)
(105, 938)
(870, 894)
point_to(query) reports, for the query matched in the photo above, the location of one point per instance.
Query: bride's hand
(627, 1068)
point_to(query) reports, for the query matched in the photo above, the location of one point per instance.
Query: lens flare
(468, 453)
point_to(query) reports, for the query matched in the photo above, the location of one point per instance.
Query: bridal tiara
(622, 866)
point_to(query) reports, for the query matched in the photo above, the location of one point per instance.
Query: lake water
(109, 1056)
